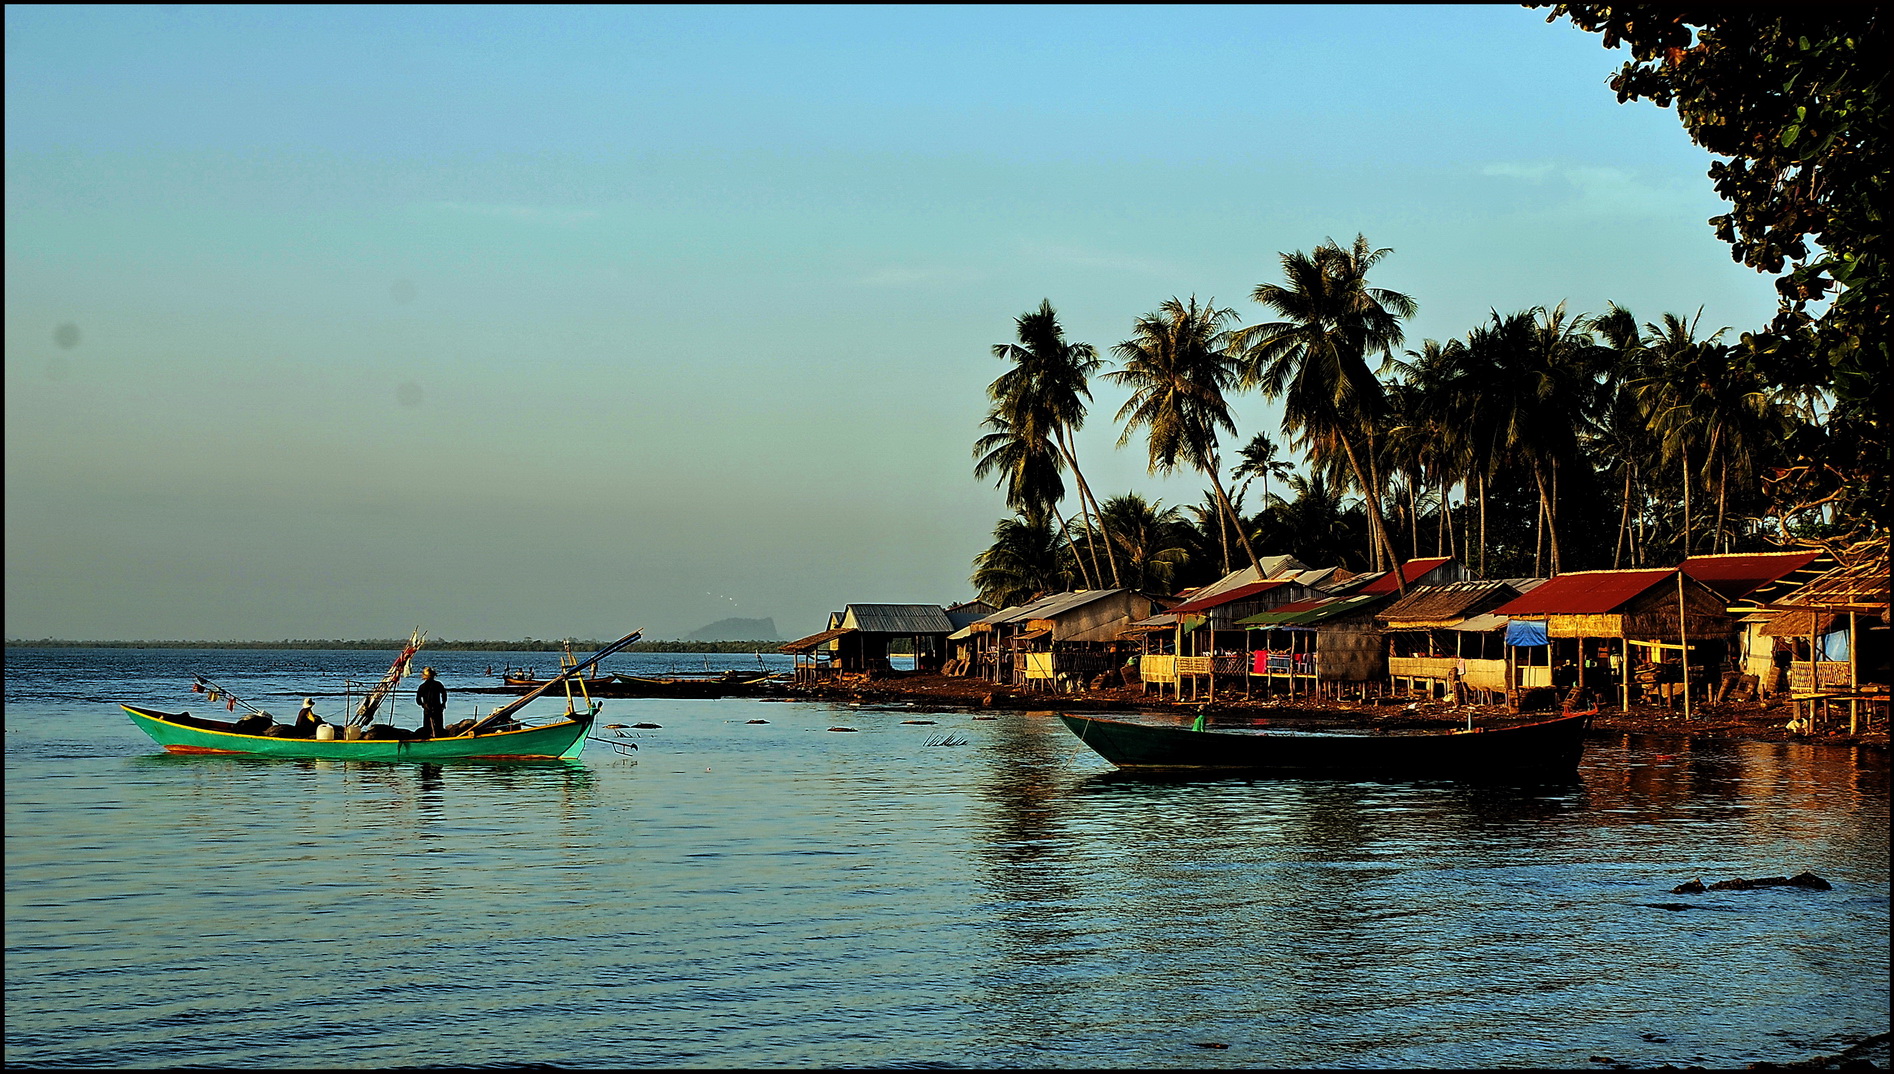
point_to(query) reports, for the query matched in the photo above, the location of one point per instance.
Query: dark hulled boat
(728, 684)
(1544, 749)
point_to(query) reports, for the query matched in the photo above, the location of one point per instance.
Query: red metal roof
(1410, 570)
(1737, 576)
(1217, 600)
(1585, 592)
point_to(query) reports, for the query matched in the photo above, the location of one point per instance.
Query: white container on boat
(325, 732)
(351, 733)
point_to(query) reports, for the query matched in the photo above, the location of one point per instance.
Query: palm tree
(1315, 359)
(1046, 392)
(1024, 562)
(1258, 460)
(1179, 366)
(1676, 398)
(1434, 425)
(1622, 440)
(1026, 466)
(1149, 535)
(1543, 385)
(1317, 519)
(1714, 398)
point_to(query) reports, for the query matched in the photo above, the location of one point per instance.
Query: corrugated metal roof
(1305, 612)
(1049, 607)
(1217, 600)
(1274, 567)
(898, 619)
(1412, 569)
(1585, 592)
(1737, 576)
(808, 644)
(970, 611)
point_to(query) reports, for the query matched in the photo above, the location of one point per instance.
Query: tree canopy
(1794, 98)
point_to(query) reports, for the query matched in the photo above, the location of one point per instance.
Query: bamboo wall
(1355, 653)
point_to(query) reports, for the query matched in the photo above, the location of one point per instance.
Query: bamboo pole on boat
(565, 673)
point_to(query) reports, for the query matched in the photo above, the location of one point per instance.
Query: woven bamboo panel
(1421, 667)
(1585, 626)
(1193, 665)
(1485, 674)
(1038, 665)
(1159, 668)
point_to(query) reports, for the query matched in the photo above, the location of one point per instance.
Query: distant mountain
(736, 630)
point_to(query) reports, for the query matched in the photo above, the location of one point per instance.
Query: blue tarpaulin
(1834, 646)
(1525, 632)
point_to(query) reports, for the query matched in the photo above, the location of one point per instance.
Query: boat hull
(564, 739)
(722, 686)
(516, 682)
(1549, 748)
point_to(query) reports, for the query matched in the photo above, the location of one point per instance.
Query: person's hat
(427, 671)
(309, 702)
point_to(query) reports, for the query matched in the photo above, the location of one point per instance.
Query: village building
(1309, 647)
(1058, 641)
(1749, 581)
(1430, 653)
(1840, 620)
(1601, 630)
(861, 638)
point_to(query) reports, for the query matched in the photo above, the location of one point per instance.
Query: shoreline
(1761, 721)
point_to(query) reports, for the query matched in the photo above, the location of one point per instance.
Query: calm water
(957, 893)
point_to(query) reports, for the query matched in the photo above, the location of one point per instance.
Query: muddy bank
(1730, 719)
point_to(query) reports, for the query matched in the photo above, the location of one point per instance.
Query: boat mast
(392, 677)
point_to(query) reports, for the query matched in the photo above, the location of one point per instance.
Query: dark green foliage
(1794, 98)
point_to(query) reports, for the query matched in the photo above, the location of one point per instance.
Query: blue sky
(508, 322)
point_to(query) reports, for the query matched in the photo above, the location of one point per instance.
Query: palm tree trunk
(1686, 477)
(1224, 499)
(1223, 539)
(1376, 523)
(1482, 524)
(1552, 520)
(1074, 546)
(1063, 440)
(1722, 499)
(1624, 520)
(1413, 519)
(1538, 526)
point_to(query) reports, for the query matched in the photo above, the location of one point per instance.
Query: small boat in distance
(495, 736)
(1545, 749)
(527, 679)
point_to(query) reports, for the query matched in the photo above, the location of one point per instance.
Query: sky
(550, 322)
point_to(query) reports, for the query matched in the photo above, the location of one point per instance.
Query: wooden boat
(494, 736)
(180, 732)
(729, 684)
(528, 682)
(1547, 748)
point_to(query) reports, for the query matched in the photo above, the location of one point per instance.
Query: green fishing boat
(180, 732)
(496, 736)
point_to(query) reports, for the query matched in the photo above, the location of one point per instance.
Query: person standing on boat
(432, 697)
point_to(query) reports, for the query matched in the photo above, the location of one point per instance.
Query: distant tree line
(528, 645)
(1542, 440)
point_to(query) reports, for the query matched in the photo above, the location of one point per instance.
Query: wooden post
(1683, 635)
(1624, 673)
(1854, 680)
